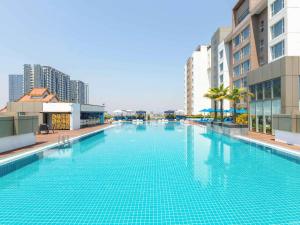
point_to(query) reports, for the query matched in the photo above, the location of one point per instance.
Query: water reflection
(208, 156)
(141, 127)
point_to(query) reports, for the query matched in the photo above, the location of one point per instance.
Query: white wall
(291, 36)
(201, 79)
(225, 72)
(75, 117)
(185, 89)
(16, 141)
(72, 108)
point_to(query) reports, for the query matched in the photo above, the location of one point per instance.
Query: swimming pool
(152, 174)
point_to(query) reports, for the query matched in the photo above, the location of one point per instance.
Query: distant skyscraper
(28, 78)
(48, 77)
(86, 93)
(15, 87)
(79, 92)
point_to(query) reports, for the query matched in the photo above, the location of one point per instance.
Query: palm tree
(212, 94)
(222, 92)
(218, 94)
(235, 95)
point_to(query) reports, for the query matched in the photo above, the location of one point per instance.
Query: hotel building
(264, 48)
(15, 85)
(197, 80)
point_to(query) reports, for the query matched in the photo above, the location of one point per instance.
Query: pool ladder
(64, 140)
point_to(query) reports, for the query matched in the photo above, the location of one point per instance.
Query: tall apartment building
(15, 84)
(79, 92)
(219, 60)
(197, 80)
(86, 93)
(218, 54)
(48, 77)
(28, 78)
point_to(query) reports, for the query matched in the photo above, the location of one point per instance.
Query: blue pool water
(153, 174)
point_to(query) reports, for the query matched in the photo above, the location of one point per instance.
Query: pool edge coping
(290, 152)
(47, 147)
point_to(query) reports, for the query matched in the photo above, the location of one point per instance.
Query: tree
(218, 94)
(222, 93)
(212, 94)
(235, 95)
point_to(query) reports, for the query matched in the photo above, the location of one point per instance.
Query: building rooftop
(39, 95)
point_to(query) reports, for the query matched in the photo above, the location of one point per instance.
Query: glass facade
(267, 102)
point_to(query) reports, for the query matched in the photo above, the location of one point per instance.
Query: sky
(132, 53)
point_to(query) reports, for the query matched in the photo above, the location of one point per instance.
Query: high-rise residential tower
(16, 86)
(47, 77)
(86, 93)
(197, 80)
(79, 92)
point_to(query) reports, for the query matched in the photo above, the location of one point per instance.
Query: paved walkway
(46, 139)
(270, 139)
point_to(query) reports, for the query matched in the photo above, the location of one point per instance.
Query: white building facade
(223, 68)
(284, 28)
(197, 81)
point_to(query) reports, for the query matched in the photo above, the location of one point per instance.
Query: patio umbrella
(210, 110)
(203, 110)
(242, 111)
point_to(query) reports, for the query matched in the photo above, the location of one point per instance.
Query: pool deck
(43, 140)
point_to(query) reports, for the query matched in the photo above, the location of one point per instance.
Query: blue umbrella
(241, 111)
(210, 110)
(203, 110)
(231, 110)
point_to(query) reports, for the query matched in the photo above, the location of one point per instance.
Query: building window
(245, 33)
(221, 79)
(252, 89)
(245, 82)
(259, 91)
(221, 53)
(277, 88)
(237, 71)
(268, 90)
(277, 50)
(246, 66)
(277, 6)
(246, 51)
(221, 67)
(236, 56)
(277, 29)
(237, 40)
(243, 15)
(237, 83)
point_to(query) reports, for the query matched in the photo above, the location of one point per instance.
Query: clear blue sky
(131, 52)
